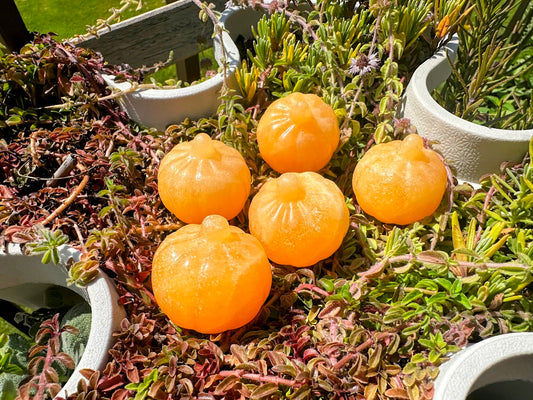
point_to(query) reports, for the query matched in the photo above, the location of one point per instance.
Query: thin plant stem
(69, 199)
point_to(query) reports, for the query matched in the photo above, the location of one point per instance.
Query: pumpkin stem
(290, 187)
(202, 146)
(413, 148)
(216, 227)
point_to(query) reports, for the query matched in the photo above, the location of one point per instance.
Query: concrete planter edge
(501, 358)
(23, 279)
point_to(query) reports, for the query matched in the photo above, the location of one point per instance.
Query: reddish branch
(45, 378)
(158, 228)
(314, 288)
(488, 199)
(69, 199)
(262, 378)
(363, 346)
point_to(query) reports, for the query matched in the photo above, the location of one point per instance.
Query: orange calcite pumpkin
(298, 133)
(400, 182)
(299, 218)
(203, 177)
(211, 277)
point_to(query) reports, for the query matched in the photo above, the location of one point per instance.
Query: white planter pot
(500, 367)
(159, 108)
(471, 150)
(23, 280)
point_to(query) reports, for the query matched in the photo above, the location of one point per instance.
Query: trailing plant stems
(205, 8)
(261, 378)
(360, 87)
(46, 379)
(136, 86)
(407, 258)
(115, 95)
(295, 383)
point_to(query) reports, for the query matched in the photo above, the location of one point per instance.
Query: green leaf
(79, 316)
(445, 283)
(393, 314)
(264, 391)
(47, 257)
(302, 393)
(457, 237)
(13, 120)
(104, 211)
(412, 329)
(495, 216)
(418, 358)
(437, 298)
(55, 255)
(465, 302)
(456, 287)
(426, 343)
(411, 297)
(327, 284)
(433, 356)
(9, 384)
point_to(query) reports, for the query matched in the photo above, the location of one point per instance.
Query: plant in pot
(375, 319)
(485, 104)
(159, 105)
(75, 326)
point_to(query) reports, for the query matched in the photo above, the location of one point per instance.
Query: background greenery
(6, 327)
(67, 18)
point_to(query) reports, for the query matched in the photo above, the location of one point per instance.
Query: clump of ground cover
(375, 320)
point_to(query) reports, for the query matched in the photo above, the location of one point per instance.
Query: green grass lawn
(7, 328)
(67, 18)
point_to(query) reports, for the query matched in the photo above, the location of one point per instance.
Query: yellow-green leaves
(247, 80)
(48, 245)
(476, 244)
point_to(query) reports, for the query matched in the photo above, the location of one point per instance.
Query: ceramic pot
(159, 108)
(471, 150)
(500, 367)
(24, 280)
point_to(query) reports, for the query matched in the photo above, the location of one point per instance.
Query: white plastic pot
(24, 279)
(471, 150)
(505, 360)
(159, 108)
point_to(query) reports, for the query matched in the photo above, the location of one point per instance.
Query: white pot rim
(460, 375)
(423, 85)
(106, 313)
